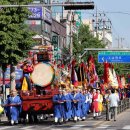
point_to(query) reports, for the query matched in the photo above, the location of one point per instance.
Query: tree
(84, 39)
(15, 38)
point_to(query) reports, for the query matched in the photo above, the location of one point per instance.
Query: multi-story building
(103, 32)
(68, 18)
(41, 22)
(48, 31)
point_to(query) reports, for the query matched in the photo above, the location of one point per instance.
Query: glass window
(47, 28)
(34, 25)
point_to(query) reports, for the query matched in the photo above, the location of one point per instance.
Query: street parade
(64, 65)
(70, 93)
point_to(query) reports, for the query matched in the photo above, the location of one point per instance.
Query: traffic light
(78, 5)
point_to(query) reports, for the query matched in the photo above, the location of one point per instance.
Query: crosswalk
(72, 127)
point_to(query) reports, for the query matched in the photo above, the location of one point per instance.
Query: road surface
(122, 123)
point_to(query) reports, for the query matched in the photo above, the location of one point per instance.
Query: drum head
(43, 74)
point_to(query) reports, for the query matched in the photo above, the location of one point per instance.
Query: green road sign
(114, 56)
(114, 53)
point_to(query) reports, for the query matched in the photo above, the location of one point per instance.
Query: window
(34, 25)
(47, 28)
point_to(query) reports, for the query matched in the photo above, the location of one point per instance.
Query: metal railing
(123, 105)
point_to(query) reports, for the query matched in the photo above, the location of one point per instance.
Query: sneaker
(56, 123)
(60, 123)
(75, 121)
(12, 122)
(16, 122)
(94, 117)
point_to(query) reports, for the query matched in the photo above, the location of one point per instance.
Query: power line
(118, 12)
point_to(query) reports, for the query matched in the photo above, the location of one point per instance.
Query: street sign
(114, 56)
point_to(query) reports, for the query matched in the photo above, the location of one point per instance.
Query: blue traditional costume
(68, 98)
(76, 106)
(14, 103)
(83, 106)
(88, 101)
(59, 111)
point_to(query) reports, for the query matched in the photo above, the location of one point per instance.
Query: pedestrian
(108, 92)
(83, 105)
(1, 108)
(76, 105)
(59, 110)
(88, 101)
(95, 104)
(68, 98)
(100, 101)
(128, 93)
(113, 99)
(13, 102)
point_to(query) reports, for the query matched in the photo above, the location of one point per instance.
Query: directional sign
(114, 57)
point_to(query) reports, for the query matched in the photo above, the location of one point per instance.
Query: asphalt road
(122, 123)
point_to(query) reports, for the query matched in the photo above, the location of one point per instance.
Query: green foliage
(15, 38)
(85, 39)
(122, 69)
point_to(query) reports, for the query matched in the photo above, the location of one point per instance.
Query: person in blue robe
(14, 104)
(58, 101)
(68, 98)
(7, 108)
(88, 101)
(76, 106)
(83, 106)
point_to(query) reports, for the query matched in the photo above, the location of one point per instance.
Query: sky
(118, 11)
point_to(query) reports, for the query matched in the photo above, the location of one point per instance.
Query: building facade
(104, 33)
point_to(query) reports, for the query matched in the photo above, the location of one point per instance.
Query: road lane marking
(45, 128)
(26, 127)
(56, 129)
(127, 127)
(6, 127)
(76, 126)
(103, 126)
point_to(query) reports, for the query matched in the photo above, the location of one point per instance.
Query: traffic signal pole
(69, 4)
(103, 49)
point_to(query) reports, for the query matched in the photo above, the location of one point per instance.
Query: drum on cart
(43, 74)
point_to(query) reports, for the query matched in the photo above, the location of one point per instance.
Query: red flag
(92, 74)
(74, 77)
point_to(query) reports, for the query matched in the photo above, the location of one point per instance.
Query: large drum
(43, 74)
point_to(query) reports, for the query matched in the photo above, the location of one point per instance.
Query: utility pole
(119, 41)
(96, 22)
(122, 41)
(71, 33)
(104, 31)
(104, 28)
(102, 25)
